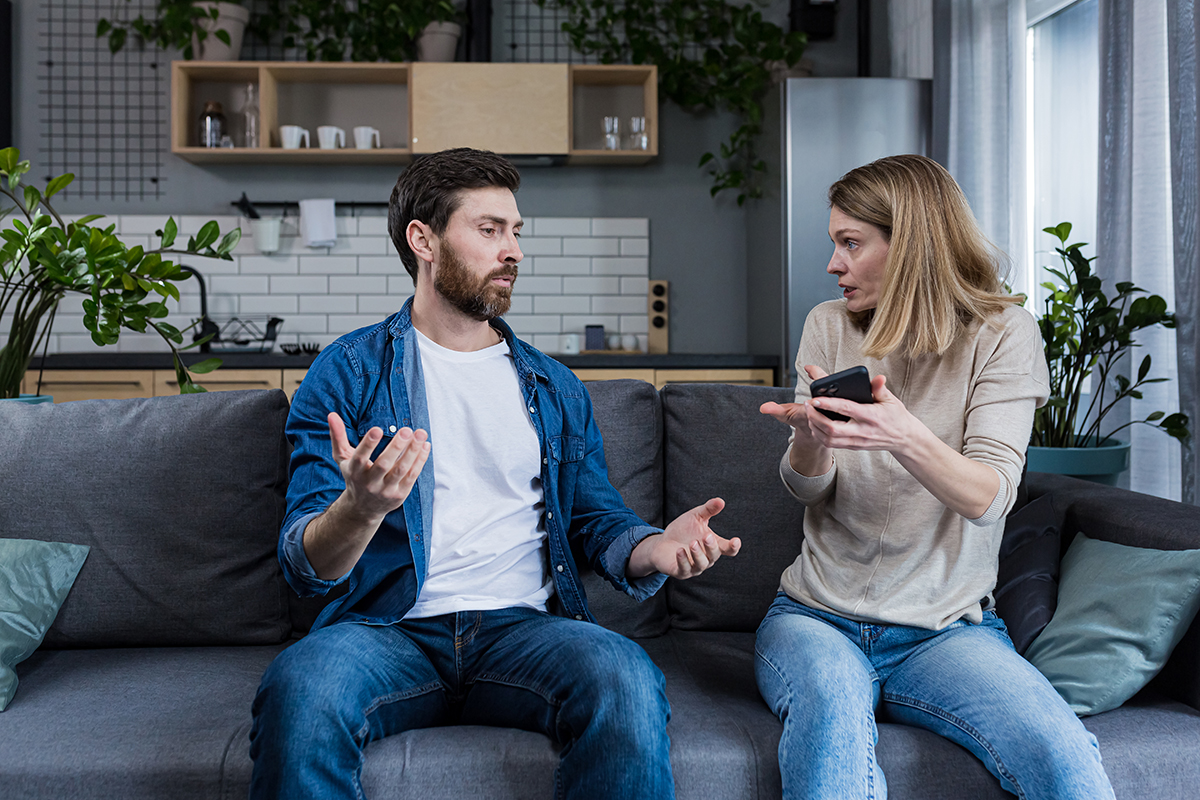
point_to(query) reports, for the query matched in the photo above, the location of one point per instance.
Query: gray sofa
(142, 688)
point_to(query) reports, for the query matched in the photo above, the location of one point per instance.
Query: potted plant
(1085, 334)
(365, 30)
(43, 258)
(710, 54)
(211, 31)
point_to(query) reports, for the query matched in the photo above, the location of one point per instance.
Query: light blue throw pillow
(34, 580)
(1121, 611)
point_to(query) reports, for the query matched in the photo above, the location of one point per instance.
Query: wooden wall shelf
(515, 109)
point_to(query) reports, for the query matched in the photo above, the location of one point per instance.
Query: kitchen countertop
(616, 360)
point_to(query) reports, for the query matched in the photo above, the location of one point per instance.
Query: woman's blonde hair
(941, 271)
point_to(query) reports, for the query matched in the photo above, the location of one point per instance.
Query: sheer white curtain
(979, 114)
(1134, 215)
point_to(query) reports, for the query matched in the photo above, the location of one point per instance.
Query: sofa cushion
(180, 499)
(1121, 611)
(1026, 590)
(629, 416)
(719, 445)
(34, 580)
(167, 723)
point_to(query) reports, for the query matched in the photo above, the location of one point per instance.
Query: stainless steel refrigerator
(815, 131)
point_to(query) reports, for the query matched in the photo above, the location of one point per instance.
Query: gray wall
(697, 242)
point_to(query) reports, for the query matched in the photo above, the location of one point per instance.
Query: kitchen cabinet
(91, 384)
(553, 110)
(223, 380)
(291, 380)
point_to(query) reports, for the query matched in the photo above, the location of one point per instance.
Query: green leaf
(56, 185)
(208, 234)
(206, 366)
(32, 198)
(9, 158)
(169, 232)
(223, 35)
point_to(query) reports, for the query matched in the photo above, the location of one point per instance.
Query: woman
(887, 607)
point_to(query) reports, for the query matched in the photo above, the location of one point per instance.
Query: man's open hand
(375, 488)
(686, 548)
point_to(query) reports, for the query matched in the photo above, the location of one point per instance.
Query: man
(443, 470)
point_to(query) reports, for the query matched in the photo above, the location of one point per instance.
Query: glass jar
(212, 124)
(249, 117)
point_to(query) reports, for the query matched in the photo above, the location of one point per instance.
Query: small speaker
(658, 307)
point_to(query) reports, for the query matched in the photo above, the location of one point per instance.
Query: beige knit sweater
(878, 547)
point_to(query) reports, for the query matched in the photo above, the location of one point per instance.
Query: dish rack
(239, 334)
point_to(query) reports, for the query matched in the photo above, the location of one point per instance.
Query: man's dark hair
(430, 190)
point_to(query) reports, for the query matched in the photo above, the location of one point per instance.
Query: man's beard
(478, 298)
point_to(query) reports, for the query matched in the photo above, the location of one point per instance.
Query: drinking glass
(638, 138)
(612, 133)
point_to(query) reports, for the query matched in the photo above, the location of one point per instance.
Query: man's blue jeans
(593, 692)
(826, 676)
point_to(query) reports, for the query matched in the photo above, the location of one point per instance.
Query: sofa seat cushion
(162, 723)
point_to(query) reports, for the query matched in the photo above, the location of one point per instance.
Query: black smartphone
(850, 384)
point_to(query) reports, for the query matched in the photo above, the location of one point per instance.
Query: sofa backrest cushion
(629, 416)
(719, 445)
(180, 499)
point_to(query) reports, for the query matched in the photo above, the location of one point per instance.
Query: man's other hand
(686, 548)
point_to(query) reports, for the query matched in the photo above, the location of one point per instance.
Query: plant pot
(1102, 464)
(31, 399)
(231, 18)
(438, 41)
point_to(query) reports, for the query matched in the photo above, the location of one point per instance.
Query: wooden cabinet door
(223, 380)
(92, 384)
(291, 380)
(516, 109)
(754, 377)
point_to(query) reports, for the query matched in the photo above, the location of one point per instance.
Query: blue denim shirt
(372, 378)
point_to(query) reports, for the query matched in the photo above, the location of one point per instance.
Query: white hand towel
(317, 225)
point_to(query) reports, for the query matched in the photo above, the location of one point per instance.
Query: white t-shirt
(488, 544)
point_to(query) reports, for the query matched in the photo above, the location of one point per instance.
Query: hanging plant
(710, 55)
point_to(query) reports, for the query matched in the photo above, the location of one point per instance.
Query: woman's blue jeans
(826, 677)
(593, 692)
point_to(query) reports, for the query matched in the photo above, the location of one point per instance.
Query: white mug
(331, 137)
(266, 233)
(366, 137)
(290, 136)
(570, 344)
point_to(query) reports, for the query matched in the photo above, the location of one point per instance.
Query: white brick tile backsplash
(635, 247)
(559, 226)
(523, 324)
(269, 304)
(561, 304)
(382, 265)
(361, 246)
(372, 226)
(639, 286)
(591, 247)
(591, 285)
(607, 304)
(329, 265)
(239, 284)
(269, 265)
(300, 284)
(550, 265)
(357, 284)
(329, 304)
(535, 284)
(620, 266)
(616, 226)
(382, 304)
(541, 246)
(577, 271)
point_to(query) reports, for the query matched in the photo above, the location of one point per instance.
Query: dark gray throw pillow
(1027, 584)
(180, 500)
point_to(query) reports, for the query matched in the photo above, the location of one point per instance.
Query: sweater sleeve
(1006, 392)
(812, 350)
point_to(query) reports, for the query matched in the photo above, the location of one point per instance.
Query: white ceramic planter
(438, 41)
(231, 18)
